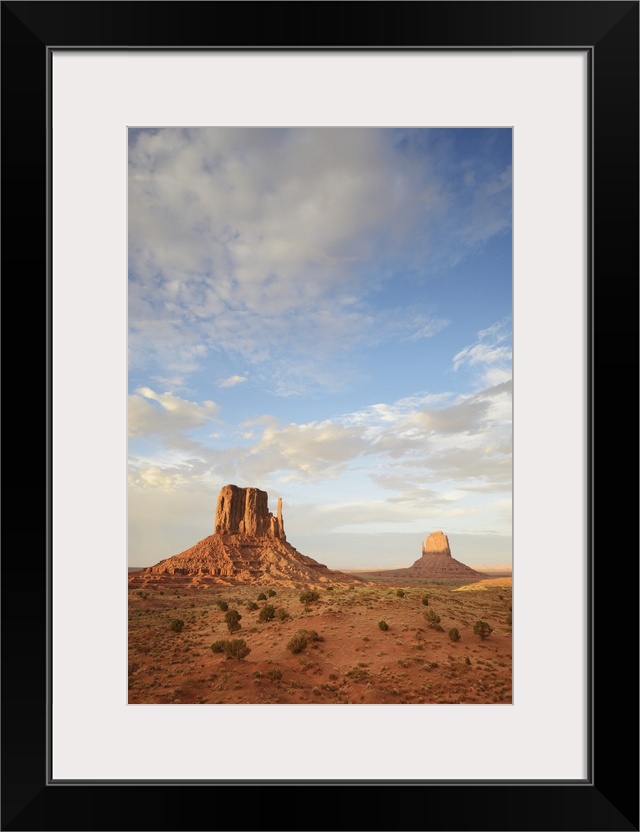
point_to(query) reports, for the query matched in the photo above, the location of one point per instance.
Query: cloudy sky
(324, 314)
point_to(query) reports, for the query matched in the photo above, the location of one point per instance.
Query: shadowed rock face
(248, 546)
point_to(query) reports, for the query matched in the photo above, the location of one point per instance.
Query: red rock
(248, 546)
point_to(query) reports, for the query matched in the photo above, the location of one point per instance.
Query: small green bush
(232, 617)
(251, 605)
(309, 596)
(176, 625)
(400, 593)
(298, 642)
(454, 635)
(236, 649)
(223, 605)
(301, 639)
(432, 619)
(262, 597)
(275, 674)
(383, 625)
(425, 600)
(282, 614)
(482, 629)
(267, 613)
(271, 593)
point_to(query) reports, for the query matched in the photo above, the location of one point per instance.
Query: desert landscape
(243, 617)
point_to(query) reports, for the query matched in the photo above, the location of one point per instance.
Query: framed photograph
(110, 102)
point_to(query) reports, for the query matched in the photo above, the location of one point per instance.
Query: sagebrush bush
(232, 617)
(400, 593)
(308, 596)
(275, 674)
(282, 614)
(425, 600)
(236, 649)
(432, 618)
(482, 629)
(223, 605)
(301, 639)
(271, 593)
(454, 635)
(262, 597)
(251, 605)
(298, 642)
(267, 613)
(176, 625)
(383, 625)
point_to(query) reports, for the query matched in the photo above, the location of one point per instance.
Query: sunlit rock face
(248, 546)
(246, 511)
(437, 562)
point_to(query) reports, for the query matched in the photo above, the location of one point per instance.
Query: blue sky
(324, 314)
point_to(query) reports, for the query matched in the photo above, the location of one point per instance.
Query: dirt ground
(349, 660)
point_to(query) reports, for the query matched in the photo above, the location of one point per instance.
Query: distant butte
(436, 564)
(248, 546)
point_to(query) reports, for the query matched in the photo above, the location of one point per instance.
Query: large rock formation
(436, 564)
(248, 546)
(246, 511)
(436, 544)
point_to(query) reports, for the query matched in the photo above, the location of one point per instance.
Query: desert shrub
(271, 593)
(176, 625)
(275, 674)
(454, 635)
(267, 613)
(301, 639)
(432, 619)
(223, 605)
(282, 614)
(262, 597)
(232, 617)
(467, 660)
(425, 600)
(383, 625)
(298, 642)
(308, 596)
(400, 593)
(251, 605)
(482, 629)
(236, 649)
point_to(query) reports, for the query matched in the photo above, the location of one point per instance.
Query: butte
(248, 546)
(437, 564)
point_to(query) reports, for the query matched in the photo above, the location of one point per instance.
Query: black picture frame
(608, 798)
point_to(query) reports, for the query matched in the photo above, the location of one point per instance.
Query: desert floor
(353, 662)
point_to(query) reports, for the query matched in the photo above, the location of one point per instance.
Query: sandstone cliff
(248, 546)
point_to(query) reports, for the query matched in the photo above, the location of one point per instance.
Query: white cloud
(273, 243)
(232, 381)
(164, 414)
(490, 355)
